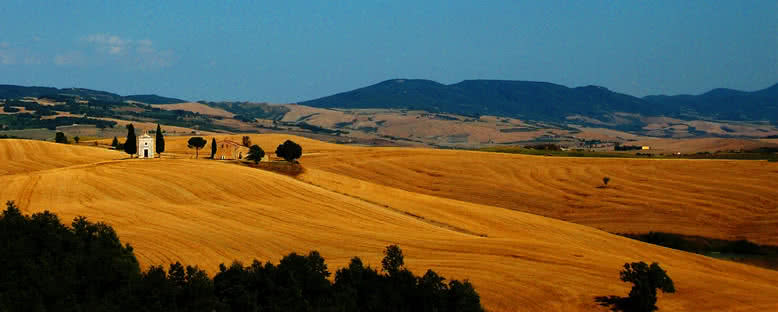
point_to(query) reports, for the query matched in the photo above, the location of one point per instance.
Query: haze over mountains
(551, 102)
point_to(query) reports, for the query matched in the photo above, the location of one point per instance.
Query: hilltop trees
(197, 143)
(289, 151)
(159, 144)
(131, 145)
(61, 138)
(255, 153)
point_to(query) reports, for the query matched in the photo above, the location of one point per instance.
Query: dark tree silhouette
(47, 266)
(159, 144)
(289, 151)
(393, 259)
(246, 141)
(605, 181)
(213, 147)
(646, 280)
(197, 143)
(255, 153)
(60, 138)
(76, 139)
(131, 145)
(115, 142)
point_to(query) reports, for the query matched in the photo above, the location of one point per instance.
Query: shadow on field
(615, 303)
(282, 167)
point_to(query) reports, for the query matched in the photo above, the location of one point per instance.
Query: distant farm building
(227, 149)
(645, 147)
(145, 146)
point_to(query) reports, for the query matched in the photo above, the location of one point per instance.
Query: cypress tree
(115, 142)
(159, 145)
(131, 144)
(213, 147)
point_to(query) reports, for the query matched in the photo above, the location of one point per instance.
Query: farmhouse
(145, 146)
(645, 147)
(227, 149)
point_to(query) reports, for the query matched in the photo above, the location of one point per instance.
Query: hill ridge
(17, 91)
(549, 101)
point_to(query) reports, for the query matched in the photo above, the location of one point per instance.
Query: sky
(289, 51)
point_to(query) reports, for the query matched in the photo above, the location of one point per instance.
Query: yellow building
(227, 149)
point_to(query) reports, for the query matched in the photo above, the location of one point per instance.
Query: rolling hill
(521, 99)
(14, 91)
(469, 114)
(353, 201)
(551, 102)
(724, 104)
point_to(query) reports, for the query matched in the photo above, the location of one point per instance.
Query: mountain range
(14, 91)
(529, 100)
(552, 102)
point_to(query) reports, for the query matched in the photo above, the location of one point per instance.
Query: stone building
(227, 149)
(145, 146)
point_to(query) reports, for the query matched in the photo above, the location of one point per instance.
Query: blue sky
(286, 51)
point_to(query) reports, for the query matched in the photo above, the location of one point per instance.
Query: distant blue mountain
(13, 91)
(548, 101)
(723, 104)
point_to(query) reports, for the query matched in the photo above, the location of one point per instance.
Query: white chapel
(145, 146)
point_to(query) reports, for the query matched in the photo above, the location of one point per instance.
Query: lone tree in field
(197, 143)
(131, 145)
(289, 151)
(255, 153)
(76, 138)
(213, 147)
(60, 138)
(159, 144)
(605, 181)
(246, 141)
(115, 142)
(645, 281)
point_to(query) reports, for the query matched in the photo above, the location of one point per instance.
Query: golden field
(496, 219)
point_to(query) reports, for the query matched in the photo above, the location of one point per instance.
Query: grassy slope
(206, 212)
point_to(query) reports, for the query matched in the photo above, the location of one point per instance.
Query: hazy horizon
(296, 51)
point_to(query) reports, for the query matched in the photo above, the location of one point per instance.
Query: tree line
(47, 266)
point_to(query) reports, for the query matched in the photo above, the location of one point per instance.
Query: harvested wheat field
(459, 213)
(725, 199)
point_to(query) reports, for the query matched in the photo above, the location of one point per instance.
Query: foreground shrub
(646, 280)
